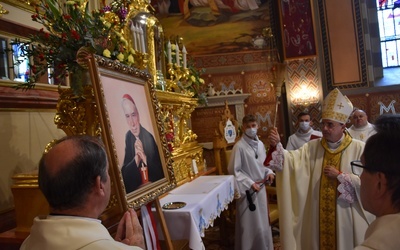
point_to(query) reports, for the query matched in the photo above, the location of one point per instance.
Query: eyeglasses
(357, 167)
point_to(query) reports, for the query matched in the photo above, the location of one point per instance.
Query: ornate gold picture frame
(132, 130)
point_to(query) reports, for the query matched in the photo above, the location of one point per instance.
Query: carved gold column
(176, 110)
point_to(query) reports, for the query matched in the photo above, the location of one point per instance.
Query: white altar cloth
(205, 197)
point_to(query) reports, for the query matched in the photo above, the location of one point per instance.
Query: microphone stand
(249, 195)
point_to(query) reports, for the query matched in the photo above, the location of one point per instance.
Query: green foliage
(69, 34)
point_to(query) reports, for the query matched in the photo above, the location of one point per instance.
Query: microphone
(252, 207)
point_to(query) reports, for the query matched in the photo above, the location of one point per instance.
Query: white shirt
(299, 138)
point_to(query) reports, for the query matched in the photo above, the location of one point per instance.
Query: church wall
(24, 135)
(246, 74)
(26, 131)
(376, 101)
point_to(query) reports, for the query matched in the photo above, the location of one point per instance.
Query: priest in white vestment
(252, 229)
(74, 178)
(379, 171)
(361, 128)
(318, 196)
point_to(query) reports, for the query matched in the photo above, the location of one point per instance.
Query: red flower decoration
(75, 34)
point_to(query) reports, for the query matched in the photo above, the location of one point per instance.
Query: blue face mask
(251, 132)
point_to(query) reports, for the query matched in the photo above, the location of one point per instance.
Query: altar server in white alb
(318, 195)
(304, 133)
(252, 230)
(361, 128)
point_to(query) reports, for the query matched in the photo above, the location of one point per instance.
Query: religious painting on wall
(131, 127)
(215, 26)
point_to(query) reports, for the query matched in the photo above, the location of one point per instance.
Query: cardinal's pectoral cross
(144, 173)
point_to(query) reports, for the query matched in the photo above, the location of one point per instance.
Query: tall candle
(194, 166)
(142, 42)
(178, 63)
(133, 30)
(169, 52)
(184, 52)
(139, 47)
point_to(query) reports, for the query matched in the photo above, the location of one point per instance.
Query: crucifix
(144, 173)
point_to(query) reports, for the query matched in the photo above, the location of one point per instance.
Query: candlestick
(184, 52)
(178, 63)
(169, 52)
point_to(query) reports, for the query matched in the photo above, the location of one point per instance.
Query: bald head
(68, 172)
(359, 118)
(52, 160)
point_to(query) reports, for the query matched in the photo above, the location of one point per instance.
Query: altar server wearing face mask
(252, 229)
(304, 133)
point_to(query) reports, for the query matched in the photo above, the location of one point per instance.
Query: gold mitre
(336, 107)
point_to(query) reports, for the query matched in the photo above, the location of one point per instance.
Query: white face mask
(251, 132)
(305, 126)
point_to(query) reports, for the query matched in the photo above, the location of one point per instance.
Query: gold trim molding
(3, 11)
(25, 5)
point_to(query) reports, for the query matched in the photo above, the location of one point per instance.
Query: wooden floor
(213, 241)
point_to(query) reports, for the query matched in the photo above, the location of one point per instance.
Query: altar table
(205, 197)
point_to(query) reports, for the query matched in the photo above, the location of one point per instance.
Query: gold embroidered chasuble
(328, 195)
(299, 194)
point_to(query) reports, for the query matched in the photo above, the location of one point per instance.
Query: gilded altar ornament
(145, 34)
(182, 76)
(3, 11)
(176, 109)
(178, 73)
(77, 115)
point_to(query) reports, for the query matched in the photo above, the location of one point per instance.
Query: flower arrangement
(71, 32)
(196, 84)
(191, 81)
